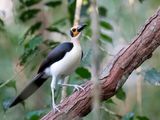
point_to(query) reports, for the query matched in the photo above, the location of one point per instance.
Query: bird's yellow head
(76, 30)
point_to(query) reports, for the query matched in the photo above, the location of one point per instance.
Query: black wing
(55, 55)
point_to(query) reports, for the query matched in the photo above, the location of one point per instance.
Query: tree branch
(113, 77)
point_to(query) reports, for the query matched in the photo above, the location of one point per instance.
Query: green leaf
(83, 72)
(152, 76)
(1, 24)
(106, 25)
(109, 101)
(11, 84)
(102, 11)
(28, 14)
(55, 29)
(60, 22)
(26, 54)
(33, 29)
(128, 116)
(35, 115)
(106, 37)
(30, 48)
(29, 3)
(142, 118)
(50, 43)
(33, 43)
(121, 94)
(141, 1)
(53, 3)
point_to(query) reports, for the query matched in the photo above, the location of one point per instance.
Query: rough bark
(113, 77)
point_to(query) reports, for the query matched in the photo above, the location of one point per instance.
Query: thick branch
(128, 59)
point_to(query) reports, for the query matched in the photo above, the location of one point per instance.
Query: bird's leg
(76, 87)
(54, 106)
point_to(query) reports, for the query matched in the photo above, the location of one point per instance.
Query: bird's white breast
(68, 63)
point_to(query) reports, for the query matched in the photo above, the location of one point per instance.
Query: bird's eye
(73, 30)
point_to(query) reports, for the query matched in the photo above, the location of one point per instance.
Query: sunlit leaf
(121, 94)
(53, 3)
(106, 25)
(142, 118)
(106, 37)
(35, 115)
(152, 76)
(102, 11)
(128, 116)
(28, 14)
(55, 29)
(83, 72)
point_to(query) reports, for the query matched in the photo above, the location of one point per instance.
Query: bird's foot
(55, 108)
(77, 88)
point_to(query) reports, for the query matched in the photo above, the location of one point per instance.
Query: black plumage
(29, 89)
(55, 55)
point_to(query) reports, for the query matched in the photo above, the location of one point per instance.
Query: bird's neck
(75, 40)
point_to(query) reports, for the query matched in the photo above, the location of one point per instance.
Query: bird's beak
(81, 27)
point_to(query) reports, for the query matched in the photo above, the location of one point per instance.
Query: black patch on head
(73, 30)
(71, 33)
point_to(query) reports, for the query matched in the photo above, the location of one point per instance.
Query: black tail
(29, 89)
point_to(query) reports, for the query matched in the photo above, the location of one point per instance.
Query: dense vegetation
(39, 25)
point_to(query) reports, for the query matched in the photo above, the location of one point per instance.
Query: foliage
(53, 3)
(152, 76)
(35, 18)
(121, 94)
(35, 115)
(128, 116)
(83, 72)
(1, 25)
(28, 14)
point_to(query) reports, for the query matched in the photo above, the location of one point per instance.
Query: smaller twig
(139, 88)
(10, 79)
(110, 112)
(64, 90)
(77, 12)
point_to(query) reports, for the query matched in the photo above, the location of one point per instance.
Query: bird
(59, 63)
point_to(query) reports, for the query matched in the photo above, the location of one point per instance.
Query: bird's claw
(78, 88)
(55, 108)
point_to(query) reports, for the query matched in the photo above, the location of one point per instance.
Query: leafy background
(37, 26)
